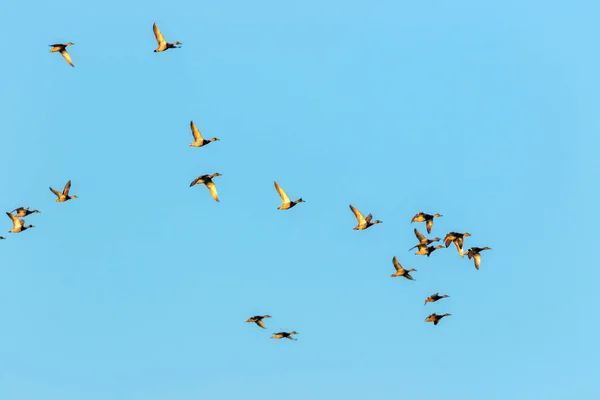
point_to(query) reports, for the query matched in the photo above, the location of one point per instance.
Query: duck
(435, 318)
(18, 224)
(258, 320)
(473, 253)
(207, 180)
(363, 223)
(162, 43)
(401, 271)
(423, 241)
(286, 204)
(62, 49)
(425, 250)
(427, 218)
(199, 141)
(287, 335)
(435, 297)
(457, 238)
(2, 238)
(64, 196)
(23, 212)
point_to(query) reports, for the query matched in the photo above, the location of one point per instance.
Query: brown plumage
(425, 250)
(457, 239)
(18, 224)
(435, 318)
(427, 218)
(207, 180)
(62, 49)
(23, 212)
(473, 253)
(286, 204)
(435, 297)
(162, 43)
(257, 319)
(362, 222)
(64, 196)
(199, 140)
(287, 335)
(423, 241)
(400, 271)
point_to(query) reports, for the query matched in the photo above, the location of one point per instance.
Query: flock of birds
(424, 247)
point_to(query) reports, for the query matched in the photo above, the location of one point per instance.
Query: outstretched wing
(66, 56)
(420, 236)
(282, 193)
(261, 324)
(397, 264)
(196, 132)
(17, 223)
(212, 188)
(56, 192)
(67, 188)
(359, 217)
(429, 225)
(159, 37)
(477, 259)
(369, 218)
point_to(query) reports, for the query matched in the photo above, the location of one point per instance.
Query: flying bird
(62, 49)
(23, 212)
(473, 253)
(287, 335)
(457, 239)
(18, 224)
(363, 223)
(436, 318)
(64, 196)
(257, 319)
(428, 219)
(423, 241)
(425, 250)
(210, 185)
(435, 297)
(199, 141)
(286, 204)
(162, 43)
(400, 271)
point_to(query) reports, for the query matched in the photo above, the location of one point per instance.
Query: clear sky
(138, 290)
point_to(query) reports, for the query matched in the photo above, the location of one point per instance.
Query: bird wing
(458, 242)
(420, 236)
(429, 225)
(477, 259)
(159, 37)
(56, 192)
(359, 217)
(67, 188)
(17, 223)
(196, 132)
(261, 324)
(212, 188)
(67, 57)
(282, 193)
(397, 265)
(369, 218)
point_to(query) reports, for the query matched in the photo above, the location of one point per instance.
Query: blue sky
(485, 113)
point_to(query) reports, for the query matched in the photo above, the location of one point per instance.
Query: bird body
(427, 218)
(425, 250)
(435, 297)
(286, 203)
(18, 224)
(64, 196)
(23, 212)
(257, 319)
(400, 271)
(199, 141)
(435, 318)
(287, 335)
(362, 222)
(473, 253)
(423, 241)
(162, 43)
(457, 239)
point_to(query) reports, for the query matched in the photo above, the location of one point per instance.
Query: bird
(423, 241)
(363, 223)
(258, 320)
(435, 297)
(425, 250)
(199, 141)
(286, 204)
(473, 253)
(18, 224)
(207, 180)
(401, 271)
(62, 48)
(287, 335)
(64, 196)
(427, 218)
(23, 212)
(2, 238)
(457, 238)
(435, 318)
(162, 43)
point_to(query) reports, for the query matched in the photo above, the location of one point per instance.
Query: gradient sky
(138, 290)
